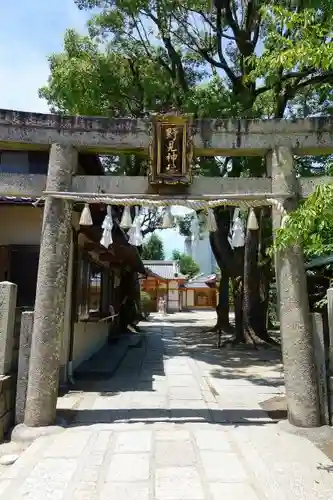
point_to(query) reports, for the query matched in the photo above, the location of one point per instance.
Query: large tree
(187, 264)
(218, 58)
(153, 248)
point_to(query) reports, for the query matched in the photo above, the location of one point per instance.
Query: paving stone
(232, 491)
(54, 470)
(83, 495)
(90, 473)
(221, 466)
(96, 459)
(125, 491)
(129, 467)
(178, 483)
(86, 485)
(43, 488)
(182, 381)
(102, 441)
(133, 441)
(108, 454)
(174, 453)
(4, 485)
(185, 393)
(68, 445)
(213, 440)
(172, 435)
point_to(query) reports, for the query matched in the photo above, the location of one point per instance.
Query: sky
(30, 31)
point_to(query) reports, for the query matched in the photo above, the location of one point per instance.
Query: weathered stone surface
(320, 360)
(131, 442)
(125, 491)
(8, 459)
(7, 395)
(330, 325)
(24, 434)
(33, 185)
(129, 467)
(178, 483)
(174, 454)
(27, 321)
(234, 491)
(251, 459)
(295, 324)
(228, 137)
(51, 292)
(8, 293)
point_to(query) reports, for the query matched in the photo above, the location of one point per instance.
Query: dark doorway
(23, 272)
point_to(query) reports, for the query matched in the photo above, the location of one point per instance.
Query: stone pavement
(178, 420)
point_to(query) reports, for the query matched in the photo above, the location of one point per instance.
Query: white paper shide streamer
(126, 219)
(107, 226)
(211, 222)
(86, 219)
(238, 236)
(167, 222)
(252, 222)
(135, 232)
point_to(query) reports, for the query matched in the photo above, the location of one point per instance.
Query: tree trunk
(128, 298)
(223, 307)
(238, 292)
(251, 299)
(255, 289)
(223, 254)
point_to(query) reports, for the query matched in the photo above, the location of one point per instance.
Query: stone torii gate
(278, 140)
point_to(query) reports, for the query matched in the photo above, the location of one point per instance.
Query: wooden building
(163, 280)
(200, 292)
(94, 291)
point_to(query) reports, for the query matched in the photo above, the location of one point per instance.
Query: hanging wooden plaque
(171, 149)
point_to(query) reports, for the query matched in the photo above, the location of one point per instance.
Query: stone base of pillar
(24, 434)
(317, 435)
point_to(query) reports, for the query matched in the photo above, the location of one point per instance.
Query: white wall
(188, 246)
(89, 337)
(203, 255)
(190, 298)
(173, 296)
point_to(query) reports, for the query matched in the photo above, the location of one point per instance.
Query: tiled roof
(319, 261)
(166, 269)
(199, 281)
(19, 200)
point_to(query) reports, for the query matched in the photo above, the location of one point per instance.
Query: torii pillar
(42, 391)
(295, 324)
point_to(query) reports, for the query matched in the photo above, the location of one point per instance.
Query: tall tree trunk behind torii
(250, 280)
(223, 254)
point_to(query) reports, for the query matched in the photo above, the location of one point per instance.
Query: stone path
(179, 420)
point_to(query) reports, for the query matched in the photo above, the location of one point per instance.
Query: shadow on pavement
(235, 417)
(142, 365)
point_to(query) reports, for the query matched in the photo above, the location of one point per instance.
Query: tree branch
(298, 75)
(230, 74)
(175, 58)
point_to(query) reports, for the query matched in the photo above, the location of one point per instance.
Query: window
(93, 290)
